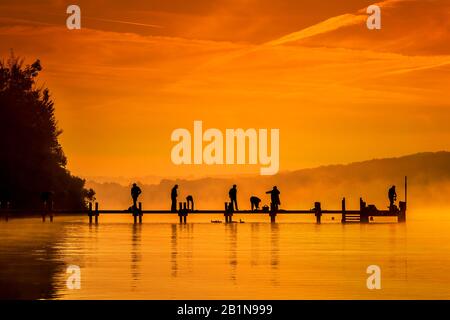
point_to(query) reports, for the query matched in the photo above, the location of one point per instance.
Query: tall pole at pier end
(402, 204)
(406, 189)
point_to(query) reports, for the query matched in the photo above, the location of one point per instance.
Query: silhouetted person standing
(233, 197)
(173, 196)
(274, 196)
(190, 202)
(255, 201)
(135, 193)
(392, 194)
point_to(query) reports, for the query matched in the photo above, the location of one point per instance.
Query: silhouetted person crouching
(255, 201)
(190, 202)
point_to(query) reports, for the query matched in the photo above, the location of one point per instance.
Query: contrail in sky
(126, 22)
(10, 19)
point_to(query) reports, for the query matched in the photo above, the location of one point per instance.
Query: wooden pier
(365, 213)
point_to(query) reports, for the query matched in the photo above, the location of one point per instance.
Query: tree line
(32, 161)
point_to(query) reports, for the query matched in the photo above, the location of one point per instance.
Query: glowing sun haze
(337, 91)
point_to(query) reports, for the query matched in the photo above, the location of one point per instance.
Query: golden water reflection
(291, 259)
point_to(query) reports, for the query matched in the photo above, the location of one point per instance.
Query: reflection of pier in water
(274, 253)
(173, 251)
(231, 229)
(254, 244)
(399, 263)
(185, 233)
(136, 254)
(257, 250)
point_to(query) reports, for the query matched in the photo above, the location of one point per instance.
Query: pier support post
(343, 210)
(135, 214)
(228, 212)
(180, 211)
(402, 212)
(273, 212)
(363, 213)
(185, 212)
(44, 211)
(140, 212)
(318, 212)
(96, 213)
(90, 212)
(50, 210)
(225, 214)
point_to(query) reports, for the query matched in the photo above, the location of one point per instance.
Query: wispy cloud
(322, 27)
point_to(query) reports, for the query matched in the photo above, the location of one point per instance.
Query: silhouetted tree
(31, 159)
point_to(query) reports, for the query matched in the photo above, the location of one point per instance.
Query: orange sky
(139, 69)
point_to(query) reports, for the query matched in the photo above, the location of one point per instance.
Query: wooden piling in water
(50, 210)
(229, 209)
(140, 212)
(273, 212)
(44, 211)
(402, 212)
(96, 213)
(135, 214)
(343, 220)
(90, 212)
(318, 212)
(363, 212)
(183, 212)
(225, 212)
(402, 204)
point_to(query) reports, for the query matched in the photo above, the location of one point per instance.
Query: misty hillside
(428, 184)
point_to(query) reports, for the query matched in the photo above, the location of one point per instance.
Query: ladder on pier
(351, 218)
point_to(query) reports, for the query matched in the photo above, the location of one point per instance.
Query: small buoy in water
(332, 218)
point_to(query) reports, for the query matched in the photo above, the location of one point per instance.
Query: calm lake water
(160, 259)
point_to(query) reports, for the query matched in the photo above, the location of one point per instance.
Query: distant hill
(428, 175)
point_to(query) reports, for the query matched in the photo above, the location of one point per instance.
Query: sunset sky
(139, 69)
